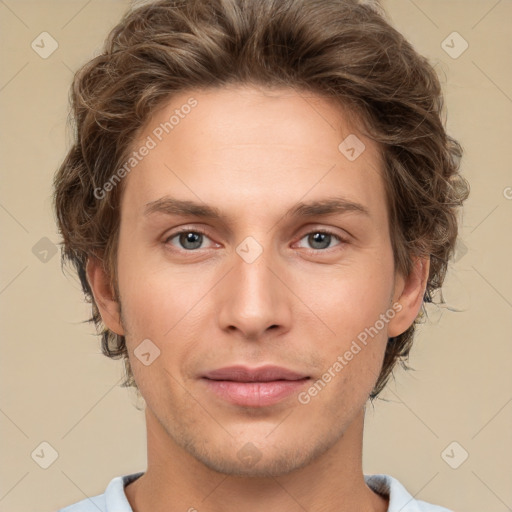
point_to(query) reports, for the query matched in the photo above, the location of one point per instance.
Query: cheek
(168, 306)
(156, 295)
(352, 300)
(353, 356)
(354, 305)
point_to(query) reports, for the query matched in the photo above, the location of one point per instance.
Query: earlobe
(409, 293)
(104, 295)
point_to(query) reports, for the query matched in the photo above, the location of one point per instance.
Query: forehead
(244, 147)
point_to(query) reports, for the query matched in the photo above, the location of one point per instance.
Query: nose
(255, 301)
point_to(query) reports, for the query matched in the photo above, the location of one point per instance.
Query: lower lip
(255, 394)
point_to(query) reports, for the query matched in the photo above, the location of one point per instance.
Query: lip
(257, 387)
(265, 373)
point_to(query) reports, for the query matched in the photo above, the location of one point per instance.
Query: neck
(176, 481)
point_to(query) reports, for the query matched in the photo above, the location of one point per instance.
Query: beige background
(57, 387)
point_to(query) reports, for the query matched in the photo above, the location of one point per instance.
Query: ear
(104, 295)
(409, 292)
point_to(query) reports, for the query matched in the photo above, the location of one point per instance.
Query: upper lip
(245, 374)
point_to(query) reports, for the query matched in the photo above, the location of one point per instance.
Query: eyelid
(339, 233)
(185, 229)
(343, 240)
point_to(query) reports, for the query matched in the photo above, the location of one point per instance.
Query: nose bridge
(254, 298)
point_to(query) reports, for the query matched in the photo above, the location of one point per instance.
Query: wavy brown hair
(344, 50)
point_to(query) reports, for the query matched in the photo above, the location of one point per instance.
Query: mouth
(267, 373)
(256, 387)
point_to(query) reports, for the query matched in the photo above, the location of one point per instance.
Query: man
(260, 198)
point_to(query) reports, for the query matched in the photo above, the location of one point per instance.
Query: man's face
(255, 286)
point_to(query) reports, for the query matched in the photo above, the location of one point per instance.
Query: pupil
(192, 238)
(320, 238)
(195, 240)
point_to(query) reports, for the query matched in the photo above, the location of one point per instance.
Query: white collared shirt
(114, 498)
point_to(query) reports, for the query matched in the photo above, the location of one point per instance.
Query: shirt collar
(385, 485)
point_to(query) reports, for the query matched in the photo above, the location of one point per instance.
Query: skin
(254, 153)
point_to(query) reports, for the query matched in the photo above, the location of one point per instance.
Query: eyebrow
(328, 206)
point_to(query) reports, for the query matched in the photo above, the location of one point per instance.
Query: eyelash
(315, 231)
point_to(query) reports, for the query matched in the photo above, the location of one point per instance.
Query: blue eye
(320, 239)
(188, 239)
(192, 239)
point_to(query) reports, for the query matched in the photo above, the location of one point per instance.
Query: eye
(321, 239)
(192, 239)
(188, 239)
